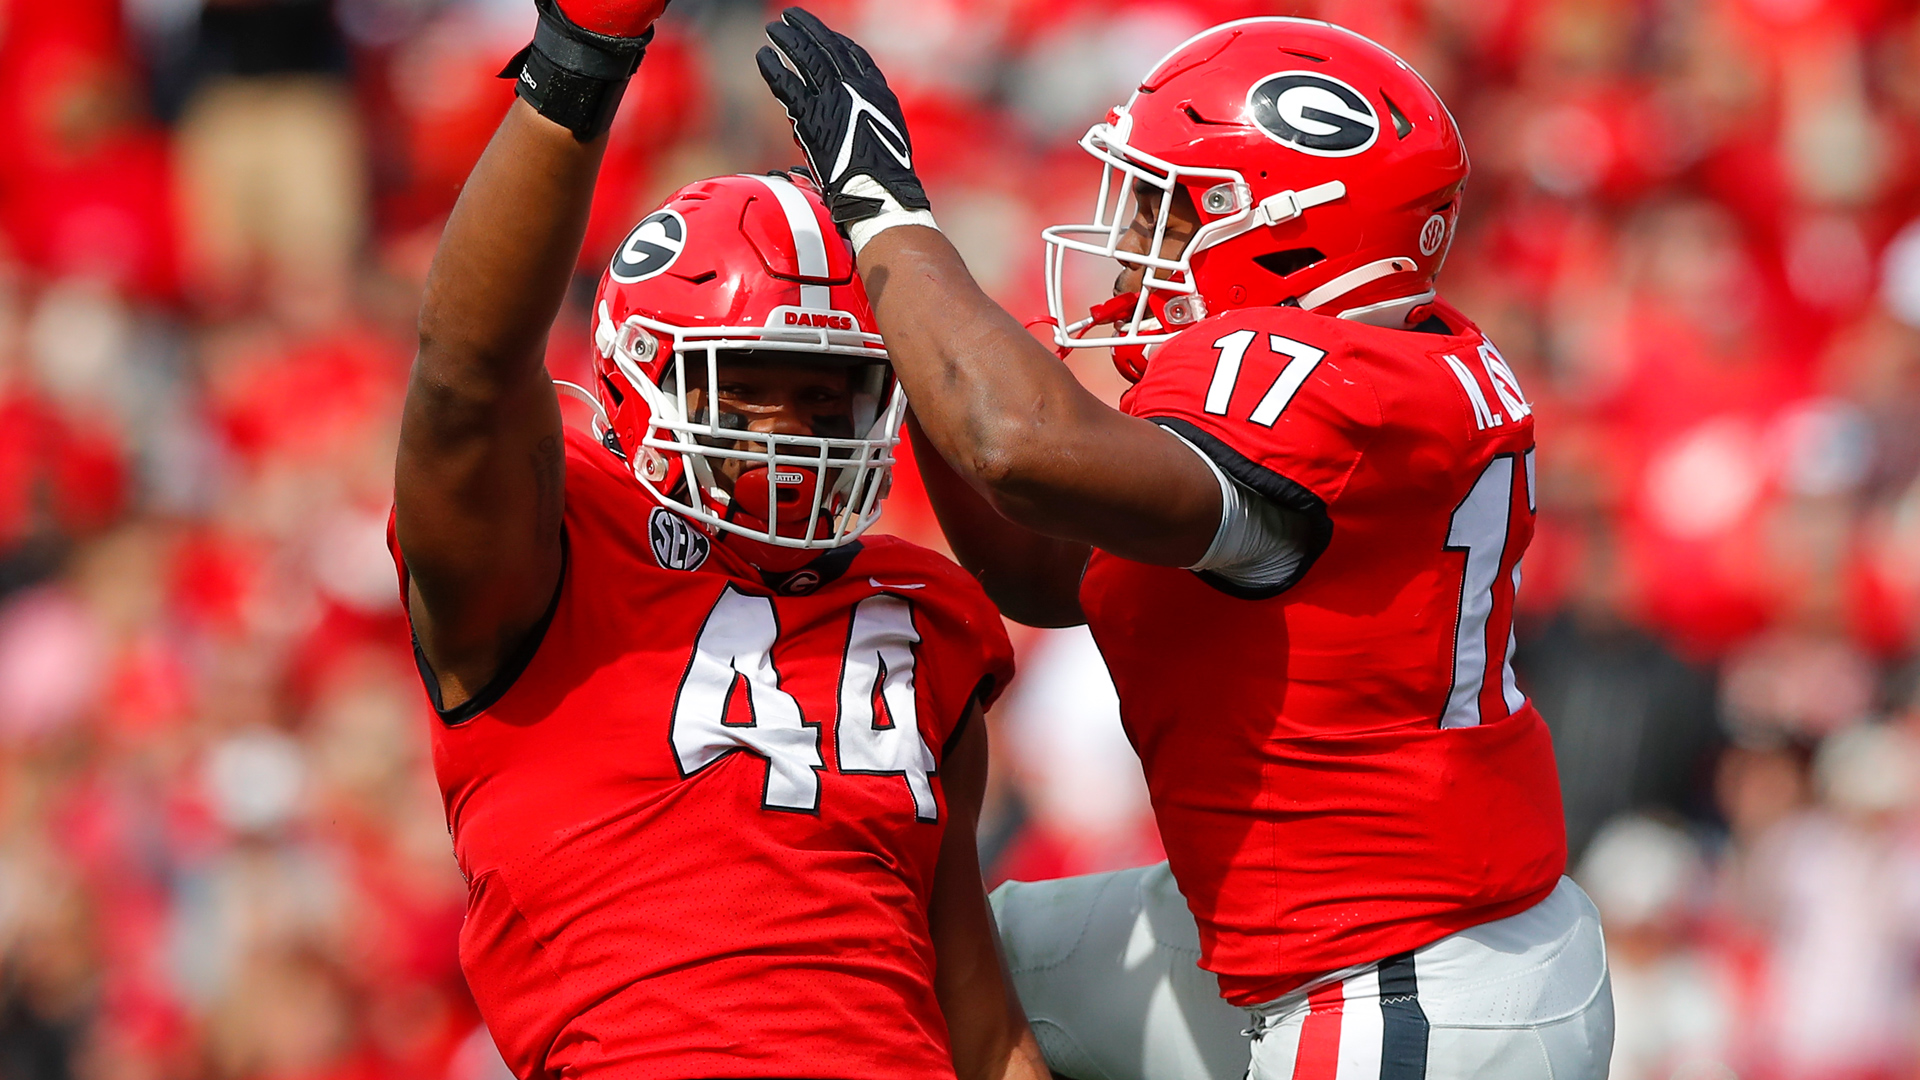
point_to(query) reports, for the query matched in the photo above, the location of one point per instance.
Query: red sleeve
(996, 651)
(1277, 400)
(976, 657)
(981, 637)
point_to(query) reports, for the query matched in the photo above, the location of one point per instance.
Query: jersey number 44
(877, 732)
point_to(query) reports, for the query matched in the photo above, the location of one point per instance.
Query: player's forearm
(989, 1036)
(996, 404)
(1032, 578)
(985, 1024)
(1013, 1055)
(505, 259)
(988, 1028)
(1016, 424)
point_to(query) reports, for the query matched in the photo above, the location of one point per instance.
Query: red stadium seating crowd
(1693, 226)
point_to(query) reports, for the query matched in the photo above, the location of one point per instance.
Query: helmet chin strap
(1391, 314)
(1354, 278)
(1388, 313)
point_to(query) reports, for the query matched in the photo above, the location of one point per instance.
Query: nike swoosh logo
(882, 130)
(878, 584)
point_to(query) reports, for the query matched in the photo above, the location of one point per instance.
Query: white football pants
(1107, 969)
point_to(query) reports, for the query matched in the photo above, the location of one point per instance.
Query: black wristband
(582, 104)
(573, 76)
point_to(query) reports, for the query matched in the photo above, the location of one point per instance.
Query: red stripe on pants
(1319, 1055)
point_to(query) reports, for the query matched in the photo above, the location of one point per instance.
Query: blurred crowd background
(1693, 227)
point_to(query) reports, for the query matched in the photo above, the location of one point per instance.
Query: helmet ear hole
(1290, 261)
(1401, 125)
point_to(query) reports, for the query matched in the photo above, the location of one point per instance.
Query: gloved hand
(575, 72)
(848, 123)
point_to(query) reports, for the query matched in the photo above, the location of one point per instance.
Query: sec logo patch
(677, 545)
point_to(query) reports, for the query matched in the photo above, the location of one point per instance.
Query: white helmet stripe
(808, 243)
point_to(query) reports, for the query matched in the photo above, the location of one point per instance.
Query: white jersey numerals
(878, 730)
(1480, 524)
(1480, 527)
(735, 652)
(1302, 358)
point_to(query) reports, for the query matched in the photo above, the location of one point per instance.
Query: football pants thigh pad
(1107, 968)
(1521, 998)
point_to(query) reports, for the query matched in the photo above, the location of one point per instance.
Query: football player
(1297, 544)
(711, 761)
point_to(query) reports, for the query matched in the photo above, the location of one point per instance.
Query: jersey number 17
(1479, 527)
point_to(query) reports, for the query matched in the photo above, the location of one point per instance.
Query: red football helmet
(1326, 173)
(743, 269)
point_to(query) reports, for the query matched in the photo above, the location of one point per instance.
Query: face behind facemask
(781, 446)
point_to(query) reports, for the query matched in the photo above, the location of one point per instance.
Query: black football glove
(848, 122)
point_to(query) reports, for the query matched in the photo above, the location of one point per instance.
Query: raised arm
(1015, 424)
(479, 479)
(1000, 408)
(1031, 577)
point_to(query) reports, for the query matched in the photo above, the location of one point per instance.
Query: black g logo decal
(651, 247)
(1313, 114)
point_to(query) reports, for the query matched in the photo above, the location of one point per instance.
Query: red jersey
(700, 827)
(1341, 767)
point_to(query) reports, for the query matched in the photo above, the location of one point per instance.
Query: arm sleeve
(1259, 545)
(1284, 433)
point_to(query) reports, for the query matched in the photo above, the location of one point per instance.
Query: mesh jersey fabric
(650, 899)
(1340, 764)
